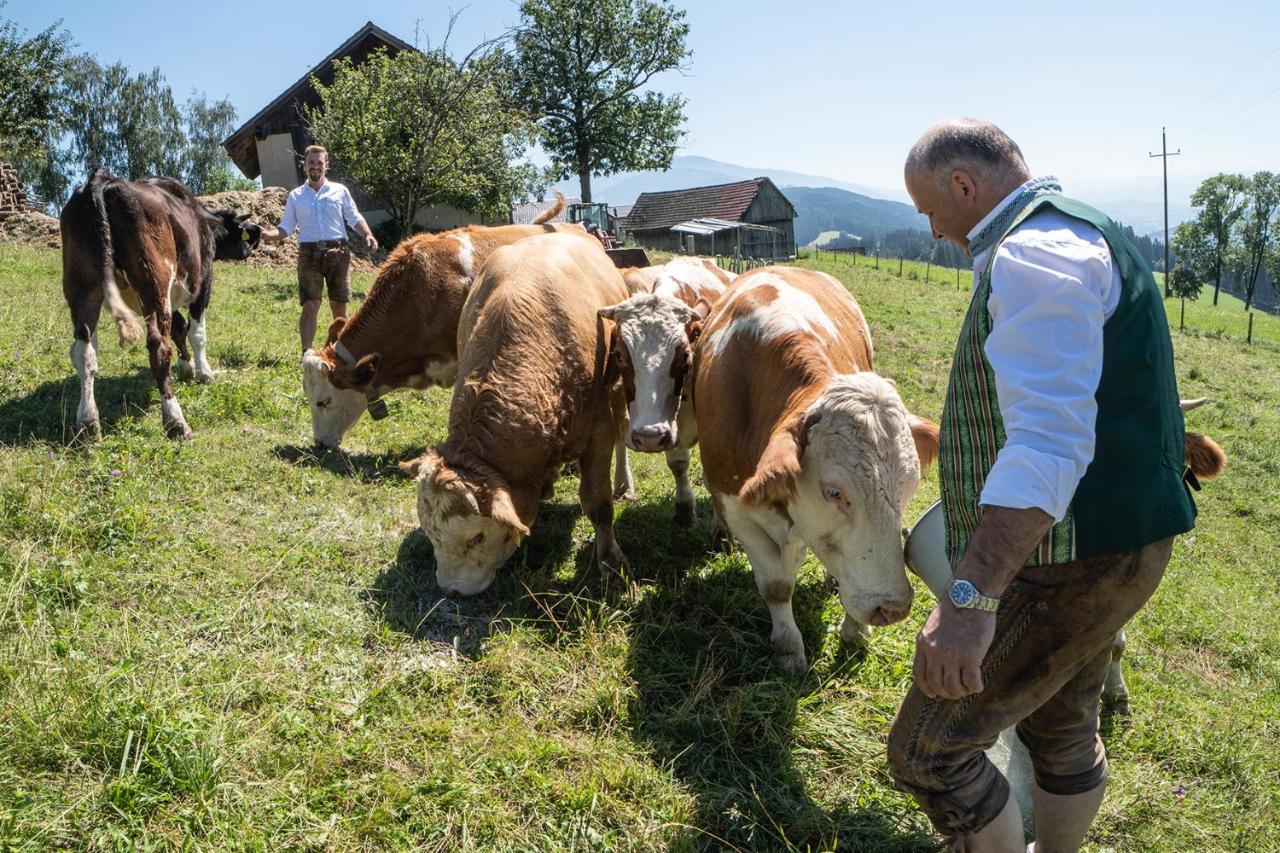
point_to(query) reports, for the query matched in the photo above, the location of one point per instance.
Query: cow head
(470, 518)
(845, 470)
(337, 392)
(234, 237)
(654, 353)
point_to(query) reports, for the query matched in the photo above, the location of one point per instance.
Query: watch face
(962, 593)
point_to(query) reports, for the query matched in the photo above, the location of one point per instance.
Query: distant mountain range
(830, 204)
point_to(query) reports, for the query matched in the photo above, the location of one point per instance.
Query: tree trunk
(584, 175)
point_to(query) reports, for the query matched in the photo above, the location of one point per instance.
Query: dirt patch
(266, 207)
(30, 228)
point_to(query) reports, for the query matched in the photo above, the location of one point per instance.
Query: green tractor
(594, 216)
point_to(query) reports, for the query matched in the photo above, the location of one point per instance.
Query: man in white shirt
(321, 211)
(1060, 469)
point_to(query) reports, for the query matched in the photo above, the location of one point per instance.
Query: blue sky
(829, 88)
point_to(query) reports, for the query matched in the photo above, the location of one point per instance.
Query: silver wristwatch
(965, 595)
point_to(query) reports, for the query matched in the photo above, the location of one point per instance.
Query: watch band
(964, 594)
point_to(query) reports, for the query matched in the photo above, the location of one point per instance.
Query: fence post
(899, 267)
(1182, 315)
(957, 278)
(928, 265)
(877, 260)
(1250, 338)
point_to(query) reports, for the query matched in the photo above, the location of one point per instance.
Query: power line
(1242, 126)
(1211, 128)
(1228, 86)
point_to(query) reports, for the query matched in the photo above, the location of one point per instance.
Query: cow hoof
(184, 370)
(89, 431)
(855, 633)
(205, 377)
(1116, 707)
(685, 515)
(179, 430)
(721, 541)
(624, 492)
(792, 662)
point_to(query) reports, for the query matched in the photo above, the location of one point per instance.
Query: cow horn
(1188, 405)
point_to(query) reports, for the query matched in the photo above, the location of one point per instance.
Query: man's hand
(371, 241)
(950, 649)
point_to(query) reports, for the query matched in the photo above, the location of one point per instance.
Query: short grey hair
(967, 143)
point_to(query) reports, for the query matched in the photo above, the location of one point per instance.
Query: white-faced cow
(803, 446)
(146, 246)
(657, 329)
(405, 334)
(535, 389)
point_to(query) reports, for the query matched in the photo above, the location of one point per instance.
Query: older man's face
(950, 207)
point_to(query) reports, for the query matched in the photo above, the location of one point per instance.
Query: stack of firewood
(13, 195)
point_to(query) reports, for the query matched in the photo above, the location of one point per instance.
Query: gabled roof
(241, 147)
(719, 201)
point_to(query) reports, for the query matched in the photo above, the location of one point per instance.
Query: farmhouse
(270, 143)
(745, 218)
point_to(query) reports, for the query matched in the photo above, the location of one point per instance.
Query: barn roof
(241, 146)
(718, 201)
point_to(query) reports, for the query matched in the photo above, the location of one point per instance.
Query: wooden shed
(270, 143)
(757, 202)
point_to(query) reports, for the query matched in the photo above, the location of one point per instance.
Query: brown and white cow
(405, 334)
(146, 246)
(535, 389)
(657, 329)
(804, 446)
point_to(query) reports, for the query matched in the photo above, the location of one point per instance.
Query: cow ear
(335, 329)
(365, 368)
(693, 331)
(1205, 458)
(503, 509)
(774, 481)
(421, 466)
(801, 432)
(608, 312)
(702, 308)
(924, 433)
(412, 466)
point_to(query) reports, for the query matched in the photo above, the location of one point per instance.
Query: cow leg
(774, 568)
(624, 488)
(160, 351)
(84, 357)
(196, 335)
(1115, 693)
(596, 496)
(678, 463)
(183, 365)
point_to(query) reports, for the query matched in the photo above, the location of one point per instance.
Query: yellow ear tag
(518, 536)
(244, 235)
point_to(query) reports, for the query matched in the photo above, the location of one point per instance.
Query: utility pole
(1165, 155)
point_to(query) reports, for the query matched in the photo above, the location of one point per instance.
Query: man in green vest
(1061, 473)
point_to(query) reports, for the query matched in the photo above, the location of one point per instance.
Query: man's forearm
(273, 233)
(1000, 545)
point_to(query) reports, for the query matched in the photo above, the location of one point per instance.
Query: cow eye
(320, 404)
(833, 494)
(475, 540)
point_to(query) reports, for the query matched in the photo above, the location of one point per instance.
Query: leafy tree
(30, 73)
(1195, 260)
(422, 128)
(1257, 229)
(221, 179)
(207, 123)
(1222, 201)
(580, 67)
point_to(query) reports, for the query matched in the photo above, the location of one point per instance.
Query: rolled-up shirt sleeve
(1048, 305)
(349, 210)
(289, 221)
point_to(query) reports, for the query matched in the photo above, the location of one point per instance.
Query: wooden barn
(750, 219)
(271, 143)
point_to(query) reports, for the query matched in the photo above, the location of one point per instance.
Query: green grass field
(236, 643)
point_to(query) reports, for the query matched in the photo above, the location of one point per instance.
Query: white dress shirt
(319, 215)
(1053, 286)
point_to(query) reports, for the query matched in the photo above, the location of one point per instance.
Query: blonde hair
(316, 149)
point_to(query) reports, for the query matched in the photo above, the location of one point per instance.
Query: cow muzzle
(653, 438)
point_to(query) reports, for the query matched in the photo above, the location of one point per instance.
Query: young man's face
(316, 166)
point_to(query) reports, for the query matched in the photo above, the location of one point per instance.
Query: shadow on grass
(711, 704)
(363, 466)
(49, 412)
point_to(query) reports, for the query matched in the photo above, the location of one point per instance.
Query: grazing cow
(803, 446)
(535, 389)
(405, 334)
(657, 329)
(148, 246)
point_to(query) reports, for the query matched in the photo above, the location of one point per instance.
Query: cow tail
(551, 212)
(126, 322)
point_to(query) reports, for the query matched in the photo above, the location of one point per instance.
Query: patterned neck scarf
(994, 230)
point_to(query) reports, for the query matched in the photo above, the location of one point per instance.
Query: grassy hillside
(830, 209)
(236, 643)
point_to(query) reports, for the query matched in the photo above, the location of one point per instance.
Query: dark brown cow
(148, 246)
(405, 334)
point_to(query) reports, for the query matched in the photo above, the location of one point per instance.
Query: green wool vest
(1133, 492)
